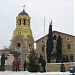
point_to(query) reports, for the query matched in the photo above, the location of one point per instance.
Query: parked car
(72, 69)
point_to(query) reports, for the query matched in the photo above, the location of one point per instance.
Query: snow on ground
(29, 73)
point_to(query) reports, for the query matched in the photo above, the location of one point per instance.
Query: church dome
(23, 13)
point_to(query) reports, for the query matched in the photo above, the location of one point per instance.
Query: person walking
(43, 65)
(25, 65)
(17, 66)
(13, 66)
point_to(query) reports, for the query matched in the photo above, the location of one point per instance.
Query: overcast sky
(60, 11)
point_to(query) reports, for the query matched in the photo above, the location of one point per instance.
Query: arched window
(19, 21)
(43, 47)
(55, 37)
(68, 46)
(24, 22)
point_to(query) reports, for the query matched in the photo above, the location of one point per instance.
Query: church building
(22, 39)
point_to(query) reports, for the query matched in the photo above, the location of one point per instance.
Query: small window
(24, 22)
(18, 44)
(68, 39)
(19, 21)
(68, 46)
(42, 41)
(42, 48)
(54, 37)
(71, 57)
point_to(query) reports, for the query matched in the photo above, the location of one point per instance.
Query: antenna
(44, 25)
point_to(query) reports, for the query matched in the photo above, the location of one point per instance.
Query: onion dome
(23, 13)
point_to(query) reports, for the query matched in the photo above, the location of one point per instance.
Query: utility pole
(45, 44)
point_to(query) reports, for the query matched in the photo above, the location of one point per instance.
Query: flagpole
(44, 25)
(45, 43)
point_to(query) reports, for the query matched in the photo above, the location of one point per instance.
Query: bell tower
(22, 39)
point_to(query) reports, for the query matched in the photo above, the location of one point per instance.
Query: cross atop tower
(23, 6)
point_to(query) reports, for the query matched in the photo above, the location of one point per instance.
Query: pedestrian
(25, 65)
(62, 68)
(43, 65)
(13, 66)
(17, 66)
